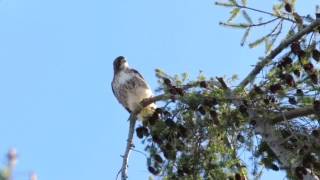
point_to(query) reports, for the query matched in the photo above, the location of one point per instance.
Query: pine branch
(260, 65)
(285, 156)
(299, 112)
(263, 127)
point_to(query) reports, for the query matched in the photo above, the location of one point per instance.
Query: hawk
(130, 88)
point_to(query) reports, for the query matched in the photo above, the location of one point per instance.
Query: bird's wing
(137, 73)
(120, 96)
(138, 79)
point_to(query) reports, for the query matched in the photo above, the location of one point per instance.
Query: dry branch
(132, 119)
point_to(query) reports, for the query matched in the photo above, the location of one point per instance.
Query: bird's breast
(123, 78)
(133, 90)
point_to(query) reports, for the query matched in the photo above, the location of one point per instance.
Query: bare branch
(264, 23)
(132, 119)
(260, 65)
(264, 12)
(124, 168)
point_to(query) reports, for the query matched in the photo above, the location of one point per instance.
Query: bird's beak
(123, 61)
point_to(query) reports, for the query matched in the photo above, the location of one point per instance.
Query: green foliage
(247, 17)
(202, 128)
(278, 9)
(234, 2)
(257, 42)
(189, 139)
(3, 176)
(244, 2)
(235, 25)
(245, 36)
(233, 13)
(224, 4)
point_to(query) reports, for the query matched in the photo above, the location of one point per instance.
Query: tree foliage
(204, 124)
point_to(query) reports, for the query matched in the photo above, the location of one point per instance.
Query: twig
(260, 65)
(124, 168)
(249, 25)
(140, 152)
(264, 12)
(264, 23)
(223, 84)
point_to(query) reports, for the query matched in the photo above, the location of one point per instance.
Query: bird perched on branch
(130, 88)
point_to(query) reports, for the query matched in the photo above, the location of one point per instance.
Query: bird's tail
(147, 112)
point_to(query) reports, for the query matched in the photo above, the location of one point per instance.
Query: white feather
(135, 95)
(123, 78)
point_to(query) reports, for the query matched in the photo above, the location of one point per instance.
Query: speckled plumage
(129, 87)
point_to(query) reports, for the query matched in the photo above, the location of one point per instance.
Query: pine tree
(204, 123)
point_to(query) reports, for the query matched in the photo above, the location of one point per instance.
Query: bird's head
(119, 64)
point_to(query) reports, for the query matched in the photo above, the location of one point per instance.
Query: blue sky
(56, 103)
